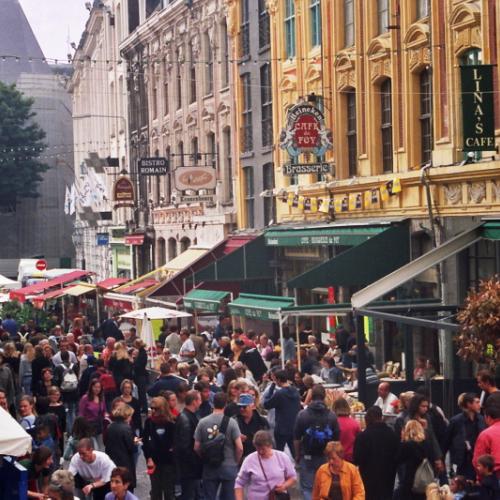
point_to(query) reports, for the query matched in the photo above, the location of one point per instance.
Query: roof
(17, 39)
(111, 283)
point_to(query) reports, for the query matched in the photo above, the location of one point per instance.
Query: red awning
(40, 299)
(111, 283)
(123, 305)
(134, 239)
(235, 242)
(136, 287)
(38, 288)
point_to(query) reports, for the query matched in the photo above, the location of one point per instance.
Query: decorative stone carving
(496, 190)
(453, 194)
(272, 6)
(195, 46)
(477, 192)
(174, 215)
(465, 21)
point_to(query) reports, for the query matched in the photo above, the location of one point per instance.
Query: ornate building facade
(180, 108)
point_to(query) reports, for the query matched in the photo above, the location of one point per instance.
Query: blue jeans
(223, 478)
(308, 470)
(191, 489)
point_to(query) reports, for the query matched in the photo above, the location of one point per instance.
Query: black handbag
(274, 495)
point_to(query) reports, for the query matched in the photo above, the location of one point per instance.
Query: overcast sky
(53, 21)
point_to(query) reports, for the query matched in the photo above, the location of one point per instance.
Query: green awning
(361, 264)
(325, 235)
(491, 230)
(204, 300)
(248, 262)
(265, 307)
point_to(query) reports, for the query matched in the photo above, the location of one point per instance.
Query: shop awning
(250, 261)
(343, 234)
(205, 300)
(264, 307)
(120, 301)
(22, 294)
(111, 283)
(54, 294)
(489, 229)
(80, 289)
(182, 281)
(361, 264)
(137, 287)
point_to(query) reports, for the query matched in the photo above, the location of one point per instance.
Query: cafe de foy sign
(305, 131)
(477, 108)
(123, 192)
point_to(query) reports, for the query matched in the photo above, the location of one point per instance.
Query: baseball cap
(246, 400)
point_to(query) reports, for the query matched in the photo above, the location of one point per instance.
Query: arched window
(209, 65)
(425, 116)
(185, 244)
(172, 249)
(161, 252)
(351, 132)
(386, 125)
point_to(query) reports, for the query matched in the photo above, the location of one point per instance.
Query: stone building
(38, 226)
(180, 108)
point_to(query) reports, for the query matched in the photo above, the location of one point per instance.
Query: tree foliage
(479, 337)
(21, 143)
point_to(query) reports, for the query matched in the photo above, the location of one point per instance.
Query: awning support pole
(361, 358)
(409, 361)
(297, 334)
(280, 319)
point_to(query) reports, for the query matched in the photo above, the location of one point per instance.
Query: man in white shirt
(92, 470)
(64, 346)
(386, 398)
(187, 352)
(173, 341)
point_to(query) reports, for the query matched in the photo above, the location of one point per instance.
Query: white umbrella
(147, 337)
(8, 283)
(156, 313)
(14, 440)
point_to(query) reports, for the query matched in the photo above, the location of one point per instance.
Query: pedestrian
(9, 324)
(165, 382)
(25, 372)
(44, 384)
(461, 435)
(93, 408)
(126, 395)
(330, 373)
(38, 471)
(234, 390)
(66, 377)
(173, 341)
(187, 353)
(199, 345)
(56, 407)
(488, 441)
(188, 462)
(286, 402)
(375, 453)
(489, 486)
(81, 429)
(120, 364)
(250, 422)
(7, 382)
(141, 374)
(349, 427)
(120, 442)
(158, 444)
(206, 407)
(314, 428)
(64, 347)
(109, 328)
(487, 383)
(92, 470)
(337, 479)
(61, 485)
(40, 361)
(220, 461)
(414, 449)
(120, 482)
(386, 399)
(27, 413)
(265, 472)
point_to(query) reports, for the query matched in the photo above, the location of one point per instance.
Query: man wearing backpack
(66, 376)
(217, 440)
(314, 428)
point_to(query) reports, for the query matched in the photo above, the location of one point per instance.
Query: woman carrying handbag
(266, 474)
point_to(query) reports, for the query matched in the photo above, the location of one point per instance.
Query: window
(209, 67)
(151, 6)
(266, 98)
(383, 16)
(172, 248)
(483, 260)
(268, 185)
(180, 154)
(247, 129)
(154, 99)
(289, 28)
(165, 97)
(264, 25)
(225, 55)
(352, 148)
(422, 8)
(212, 149)
(133, 15)
(179, 79)
(244, 30)
(168, 190)
(315, 15)
(425, 116)
(228, 170)
(348, 23)
(192, 74)
(249, 196)
(386, 125)
(185, 244)
(194, 151)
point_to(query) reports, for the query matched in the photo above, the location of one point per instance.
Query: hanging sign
(478, 108)
(195, 178)
(153, 166)
(123, 192)
(305, 131)
(306, 168)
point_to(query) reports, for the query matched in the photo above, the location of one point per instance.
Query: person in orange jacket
(337, 478)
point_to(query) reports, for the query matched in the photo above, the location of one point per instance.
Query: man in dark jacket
(250, 422)
(375, 453)
(254, 362)
(166, 381)
(286, 402)
(189, 466)
(141, 374)
(109, 328)
(462, 433)
(314, 428)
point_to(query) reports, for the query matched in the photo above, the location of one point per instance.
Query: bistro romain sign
(153, 166)
(305, 131)
(478, 108)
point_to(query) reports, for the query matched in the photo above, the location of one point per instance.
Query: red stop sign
(41, 265)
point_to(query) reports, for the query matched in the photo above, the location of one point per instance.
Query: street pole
(361, 358)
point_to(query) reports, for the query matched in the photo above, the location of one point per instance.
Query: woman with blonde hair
(120, 364)
(337, 479)
(234, 389)
(413, 450)
(349, 428)
(25, 371)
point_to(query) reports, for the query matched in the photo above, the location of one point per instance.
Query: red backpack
(108, 382)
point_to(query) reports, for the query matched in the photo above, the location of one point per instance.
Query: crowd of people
(224, 419)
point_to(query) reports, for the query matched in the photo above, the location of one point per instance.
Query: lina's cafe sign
(478, 108)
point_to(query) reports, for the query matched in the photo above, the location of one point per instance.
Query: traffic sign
(41, 265)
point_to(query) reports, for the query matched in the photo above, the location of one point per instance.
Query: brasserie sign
(478, 108)
(306, 168)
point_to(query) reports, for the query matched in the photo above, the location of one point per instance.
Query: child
(488, 487)
(43, 438)
(458, 487)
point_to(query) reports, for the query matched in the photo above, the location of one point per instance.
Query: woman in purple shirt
(264, 470)
(93, 408)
